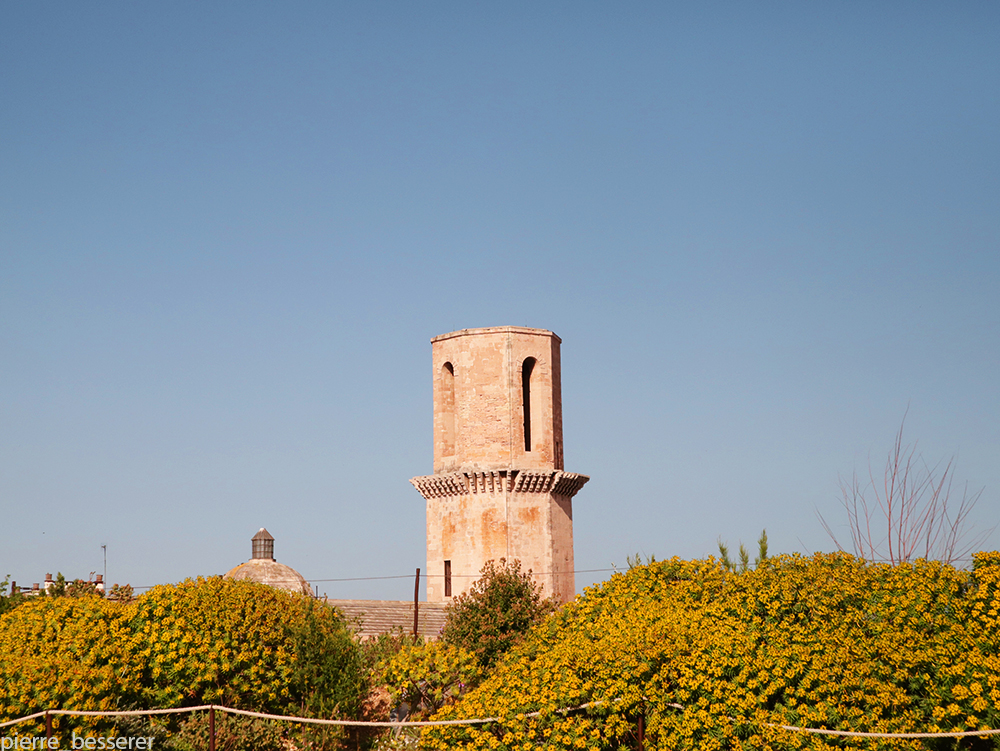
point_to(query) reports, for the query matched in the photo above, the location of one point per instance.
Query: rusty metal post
(48, 726)
(211, 728)
(642, 725)
(416, 603)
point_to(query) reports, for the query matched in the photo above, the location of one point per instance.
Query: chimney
(99, 584)
(263, 545)
(48, 582)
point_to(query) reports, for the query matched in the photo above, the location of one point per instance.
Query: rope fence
(212, 708)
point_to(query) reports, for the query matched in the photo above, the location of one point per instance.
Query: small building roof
(262, 568)
(369, 618)
(273, 574)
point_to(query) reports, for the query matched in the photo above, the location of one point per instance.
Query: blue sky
(228, 232)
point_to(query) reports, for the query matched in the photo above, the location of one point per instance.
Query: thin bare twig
(909, 513)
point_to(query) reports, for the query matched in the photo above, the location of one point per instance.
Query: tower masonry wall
(479, 389)
(498, 488)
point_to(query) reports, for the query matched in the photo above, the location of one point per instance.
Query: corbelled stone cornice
(447, 484)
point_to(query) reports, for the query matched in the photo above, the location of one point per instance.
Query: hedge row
(207, 641)
(822, 642)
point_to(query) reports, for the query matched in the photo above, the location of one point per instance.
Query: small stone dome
(264, 569)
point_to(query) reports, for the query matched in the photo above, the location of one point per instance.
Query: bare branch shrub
(909, 511)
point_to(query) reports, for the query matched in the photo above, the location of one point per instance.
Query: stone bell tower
(498, 488)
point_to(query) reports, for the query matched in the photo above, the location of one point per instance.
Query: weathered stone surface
(273, 574)
(498, 489)
(264, 569)
(478, 411)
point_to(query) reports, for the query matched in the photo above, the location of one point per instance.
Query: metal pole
(211, 728)
(48, 726)
(642, 724)
(416, 602)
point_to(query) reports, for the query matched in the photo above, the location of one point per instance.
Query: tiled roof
(374, 617)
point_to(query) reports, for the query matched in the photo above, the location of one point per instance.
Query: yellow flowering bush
(715, 659)
(66, 652)
(212, 641)
(235, 643)
(428, 676)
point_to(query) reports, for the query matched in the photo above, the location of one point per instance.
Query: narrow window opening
(526, 369)
(448, 409)
(447, 578)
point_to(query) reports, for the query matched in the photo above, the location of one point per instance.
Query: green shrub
(496, 611)
(9, 601)
(190, 732)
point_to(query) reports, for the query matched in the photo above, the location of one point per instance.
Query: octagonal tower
(498, 488)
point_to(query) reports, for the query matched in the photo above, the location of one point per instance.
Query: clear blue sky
(228, 232)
